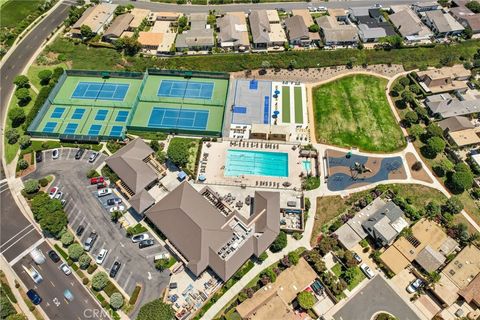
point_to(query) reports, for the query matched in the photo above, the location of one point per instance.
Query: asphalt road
(85, 208)
(17, 234)
(377, 296)
(156, 6)
(52, 287)
(22, 54)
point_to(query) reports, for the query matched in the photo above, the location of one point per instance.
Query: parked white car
(101, 256)
(65, 268)
(368, 272)
(117, 208)
(140, 237)
(104, 192)
(35, 275)
(414, 286)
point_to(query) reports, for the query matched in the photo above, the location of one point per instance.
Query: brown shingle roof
(128, 163)
(198, 230)
(120, 24)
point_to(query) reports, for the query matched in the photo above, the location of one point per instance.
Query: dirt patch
(27, 157)
(420, 174)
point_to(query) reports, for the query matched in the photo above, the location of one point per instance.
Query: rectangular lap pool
(256, 163)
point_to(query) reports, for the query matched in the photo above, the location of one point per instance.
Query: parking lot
(84, 208)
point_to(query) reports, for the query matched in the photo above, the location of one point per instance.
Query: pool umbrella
(276, 92)
(276, 112)
(202, 177)
(274, 116)
(286, 184)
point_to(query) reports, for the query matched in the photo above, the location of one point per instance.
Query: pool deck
(216, 162)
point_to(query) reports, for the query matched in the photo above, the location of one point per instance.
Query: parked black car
(80, 230)
(79, 153)
(54, 256)
(115, 268)
(39, 156)
(145, 243)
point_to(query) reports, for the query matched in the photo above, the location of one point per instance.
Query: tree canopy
(177, 151)
(17, 115)
(280, 242)
(21, 81)
(156, 310)
(306, 300)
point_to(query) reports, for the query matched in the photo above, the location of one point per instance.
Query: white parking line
(33, 229)
(69, 152)
(124, 286)
(16, 234)
(81, 221)
(26, 251)
(75, 219)
(119, 274)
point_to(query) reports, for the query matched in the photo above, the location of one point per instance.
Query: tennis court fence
(102, 74)
(46, 105)
(183, 73)
(96, 104)
(195, 133)
(183, 101)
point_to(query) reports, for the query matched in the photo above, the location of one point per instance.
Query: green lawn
(337, 269)
(297, 93)
(14, 11)
(359, 276)
(83, 57)
(286, 104)
(354, 112)
(34, 69)
(11, 149)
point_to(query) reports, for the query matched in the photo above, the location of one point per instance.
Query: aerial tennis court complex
(93, 105)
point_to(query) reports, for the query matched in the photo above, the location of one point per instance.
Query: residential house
(421, 7)
(442, 24)
(409, 25)
(459, 131)
(466, 18)
(97, 18)
(337, 33)
(233, 31)
(372, 26)
(267, 32)
(383, 221)
(205, 232)
(138, 170)
(339, 14)
(118, 26)
(274, 301)
(199, 37)
(445, 105)
(444, 79)
(463, 269)
(138, 16)
(471, 293)
(426, 246)
(297, 32)
(150, 41)
(384, 225)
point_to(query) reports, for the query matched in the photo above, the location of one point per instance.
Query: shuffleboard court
(185, 89)
(100, 91)
(178, 118)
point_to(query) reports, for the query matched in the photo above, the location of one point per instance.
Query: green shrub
(75, 250)
(67, 239)
(134, 296)
(22, 164)
(43, 182)
(24, 142)
(31, 186)
(92, 268)
(85, 281)
(110, 289)
(11, 135)
(116, 300)
(92, 173)
(84, 261)
(280, 242)
(99, 280)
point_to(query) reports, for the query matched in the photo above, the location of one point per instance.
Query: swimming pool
(256, 163)
(307, 166)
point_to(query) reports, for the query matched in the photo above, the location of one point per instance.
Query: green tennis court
(104, 105)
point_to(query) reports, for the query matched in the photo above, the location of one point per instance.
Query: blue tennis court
(78, 114)
(71, 128)
(100, 91)
(253, 85)
(101, 115)
(121, 116)
(238, 109)
(94, 129)
(178, 119)
(49, 127)
(116, 131)
(57, 113)
(185, 89)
